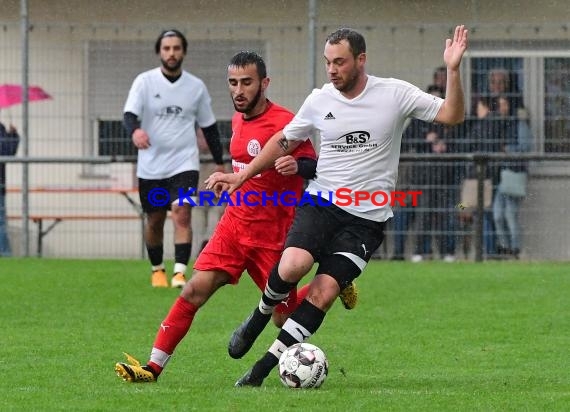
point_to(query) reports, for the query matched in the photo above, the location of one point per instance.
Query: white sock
(180, 267)
(159, 357)
(158, 267)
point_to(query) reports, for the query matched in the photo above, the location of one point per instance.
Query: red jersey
(266, 224)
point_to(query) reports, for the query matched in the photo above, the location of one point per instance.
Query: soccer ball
(303, 365)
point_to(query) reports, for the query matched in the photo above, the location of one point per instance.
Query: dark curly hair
(170, 33)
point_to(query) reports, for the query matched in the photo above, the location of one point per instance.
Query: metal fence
(87, 70)
(446, 223)
(105, 221)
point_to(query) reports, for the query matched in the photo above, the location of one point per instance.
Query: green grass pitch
(424, 337)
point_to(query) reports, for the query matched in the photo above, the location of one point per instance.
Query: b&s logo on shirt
(170, 111)
(358, 137)
(354, 142)
(253, 147)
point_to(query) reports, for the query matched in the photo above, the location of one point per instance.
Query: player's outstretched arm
(276, 147)
(453, 109)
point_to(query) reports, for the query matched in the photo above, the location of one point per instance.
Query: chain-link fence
(87, 70)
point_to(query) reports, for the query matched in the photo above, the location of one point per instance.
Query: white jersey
(360, 138)
(169, 113)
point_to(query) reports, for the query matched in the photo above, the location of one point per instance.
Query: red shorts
(224, 252)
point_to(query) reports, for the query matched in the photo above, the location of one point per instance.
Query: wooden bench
(54, 220)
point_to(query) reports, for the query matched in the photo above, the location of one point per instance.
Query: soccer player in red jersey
(247, 238)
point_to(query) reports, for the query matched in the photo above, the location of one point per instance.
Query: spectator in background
(440, 79)
(439, 181)
(416, 139)
(502, 84)
(439, 195)
(205, 217)
(486, 135)
(404, 216)
(506, 205)
(499, 82)
(9, 140)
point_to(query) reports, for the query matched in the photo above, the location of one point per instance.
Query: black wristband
(306, 167)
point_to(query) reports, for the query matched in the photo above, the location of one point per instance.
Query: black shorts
(160, 194)
(340, 242)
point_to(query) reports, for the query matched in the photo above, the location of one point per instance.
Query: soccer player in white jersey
(161, 113)
(360, 119)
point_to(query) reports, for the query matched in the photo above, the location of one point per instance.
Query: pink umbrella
(11, 94)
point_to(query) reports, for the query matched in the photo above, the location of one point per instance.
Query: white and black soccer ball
(303, 365)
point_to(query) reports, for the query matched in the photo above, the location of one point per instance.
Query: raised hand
(454, 48)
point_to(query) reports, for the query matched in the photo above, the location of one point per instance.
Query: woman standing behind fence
(513, 176)
(486, 135)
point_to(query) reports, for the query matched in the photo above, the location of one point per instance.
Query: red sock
(177, 323)
(290, 305)
(302, 294)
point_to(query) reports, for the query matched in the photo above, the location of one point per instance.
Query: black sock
(256, 324)
(303, 323)
(182, 252)
(155, 254)
(263, 367)
(276, 291)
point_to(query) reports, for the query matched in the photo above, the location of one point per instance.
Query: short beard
(350, 83)
(175, 68)
(252, 104)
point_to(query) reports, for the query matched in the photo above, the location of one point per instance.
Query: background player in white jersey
(161, 112)
(360, 119)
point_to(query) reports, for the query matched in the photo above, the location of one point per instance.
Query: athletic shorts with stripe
(340, 242)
